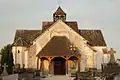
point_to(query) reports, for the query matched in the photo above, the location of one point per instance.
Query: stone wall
(32, 59)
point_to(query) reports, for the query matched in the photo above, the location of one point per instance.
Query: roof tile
(94, 37)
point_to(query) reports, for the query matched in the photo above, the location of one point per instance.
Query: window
(18, 51)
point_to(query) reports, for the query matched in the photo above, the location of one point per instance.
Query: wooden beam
(78, 63)
(66, 66)
(41, 63)
(49, 66)
(37, 63)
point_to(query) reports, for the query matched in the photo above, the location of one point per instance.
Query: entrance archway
(59, 66)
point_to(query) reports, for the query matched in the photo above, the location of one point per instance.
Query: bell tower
(59, 15)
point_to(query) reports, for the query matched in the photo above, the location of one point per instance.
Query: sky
(90, 14)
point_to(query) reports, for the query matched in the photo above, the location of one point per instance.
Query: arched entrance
(59, 66)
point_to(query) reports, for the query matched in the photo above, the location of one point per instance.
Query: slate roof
(72, 24)
(94, 37)
(57, 46)
(25, 37)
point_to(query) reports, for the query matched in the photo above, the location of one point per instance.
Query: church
(60, 48)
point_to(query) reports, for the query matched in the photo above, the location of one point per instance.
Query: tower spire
(59, 14)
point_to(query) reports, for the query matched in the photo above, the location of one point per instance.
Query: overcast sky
(29, 14)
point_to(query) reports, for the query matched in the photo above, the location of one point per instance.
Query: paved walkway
(59, 77)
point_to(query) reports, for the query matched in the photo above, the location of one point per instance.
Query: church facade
(60, 47)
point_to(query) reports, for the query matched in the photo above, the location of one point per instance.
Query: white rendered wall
(99, 57)
(19, 58)
(26, 59)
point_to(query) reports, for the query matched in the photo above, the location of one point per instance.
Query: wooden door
(59, 68)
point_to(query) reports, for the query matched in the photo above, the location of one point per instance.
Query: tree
(7, 57)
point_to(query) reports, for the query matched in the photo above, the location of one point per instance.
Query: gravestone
(4, 73)
(5, 76)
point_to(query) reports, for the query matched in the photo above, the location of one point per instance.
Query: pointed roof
(59, 11)
(57, 46)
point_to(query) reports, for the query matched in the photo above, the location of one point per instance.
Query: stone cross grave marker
(112, 58)
(4, 73)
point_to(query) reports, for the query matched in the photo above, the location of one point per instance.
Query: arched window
(18, 51)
